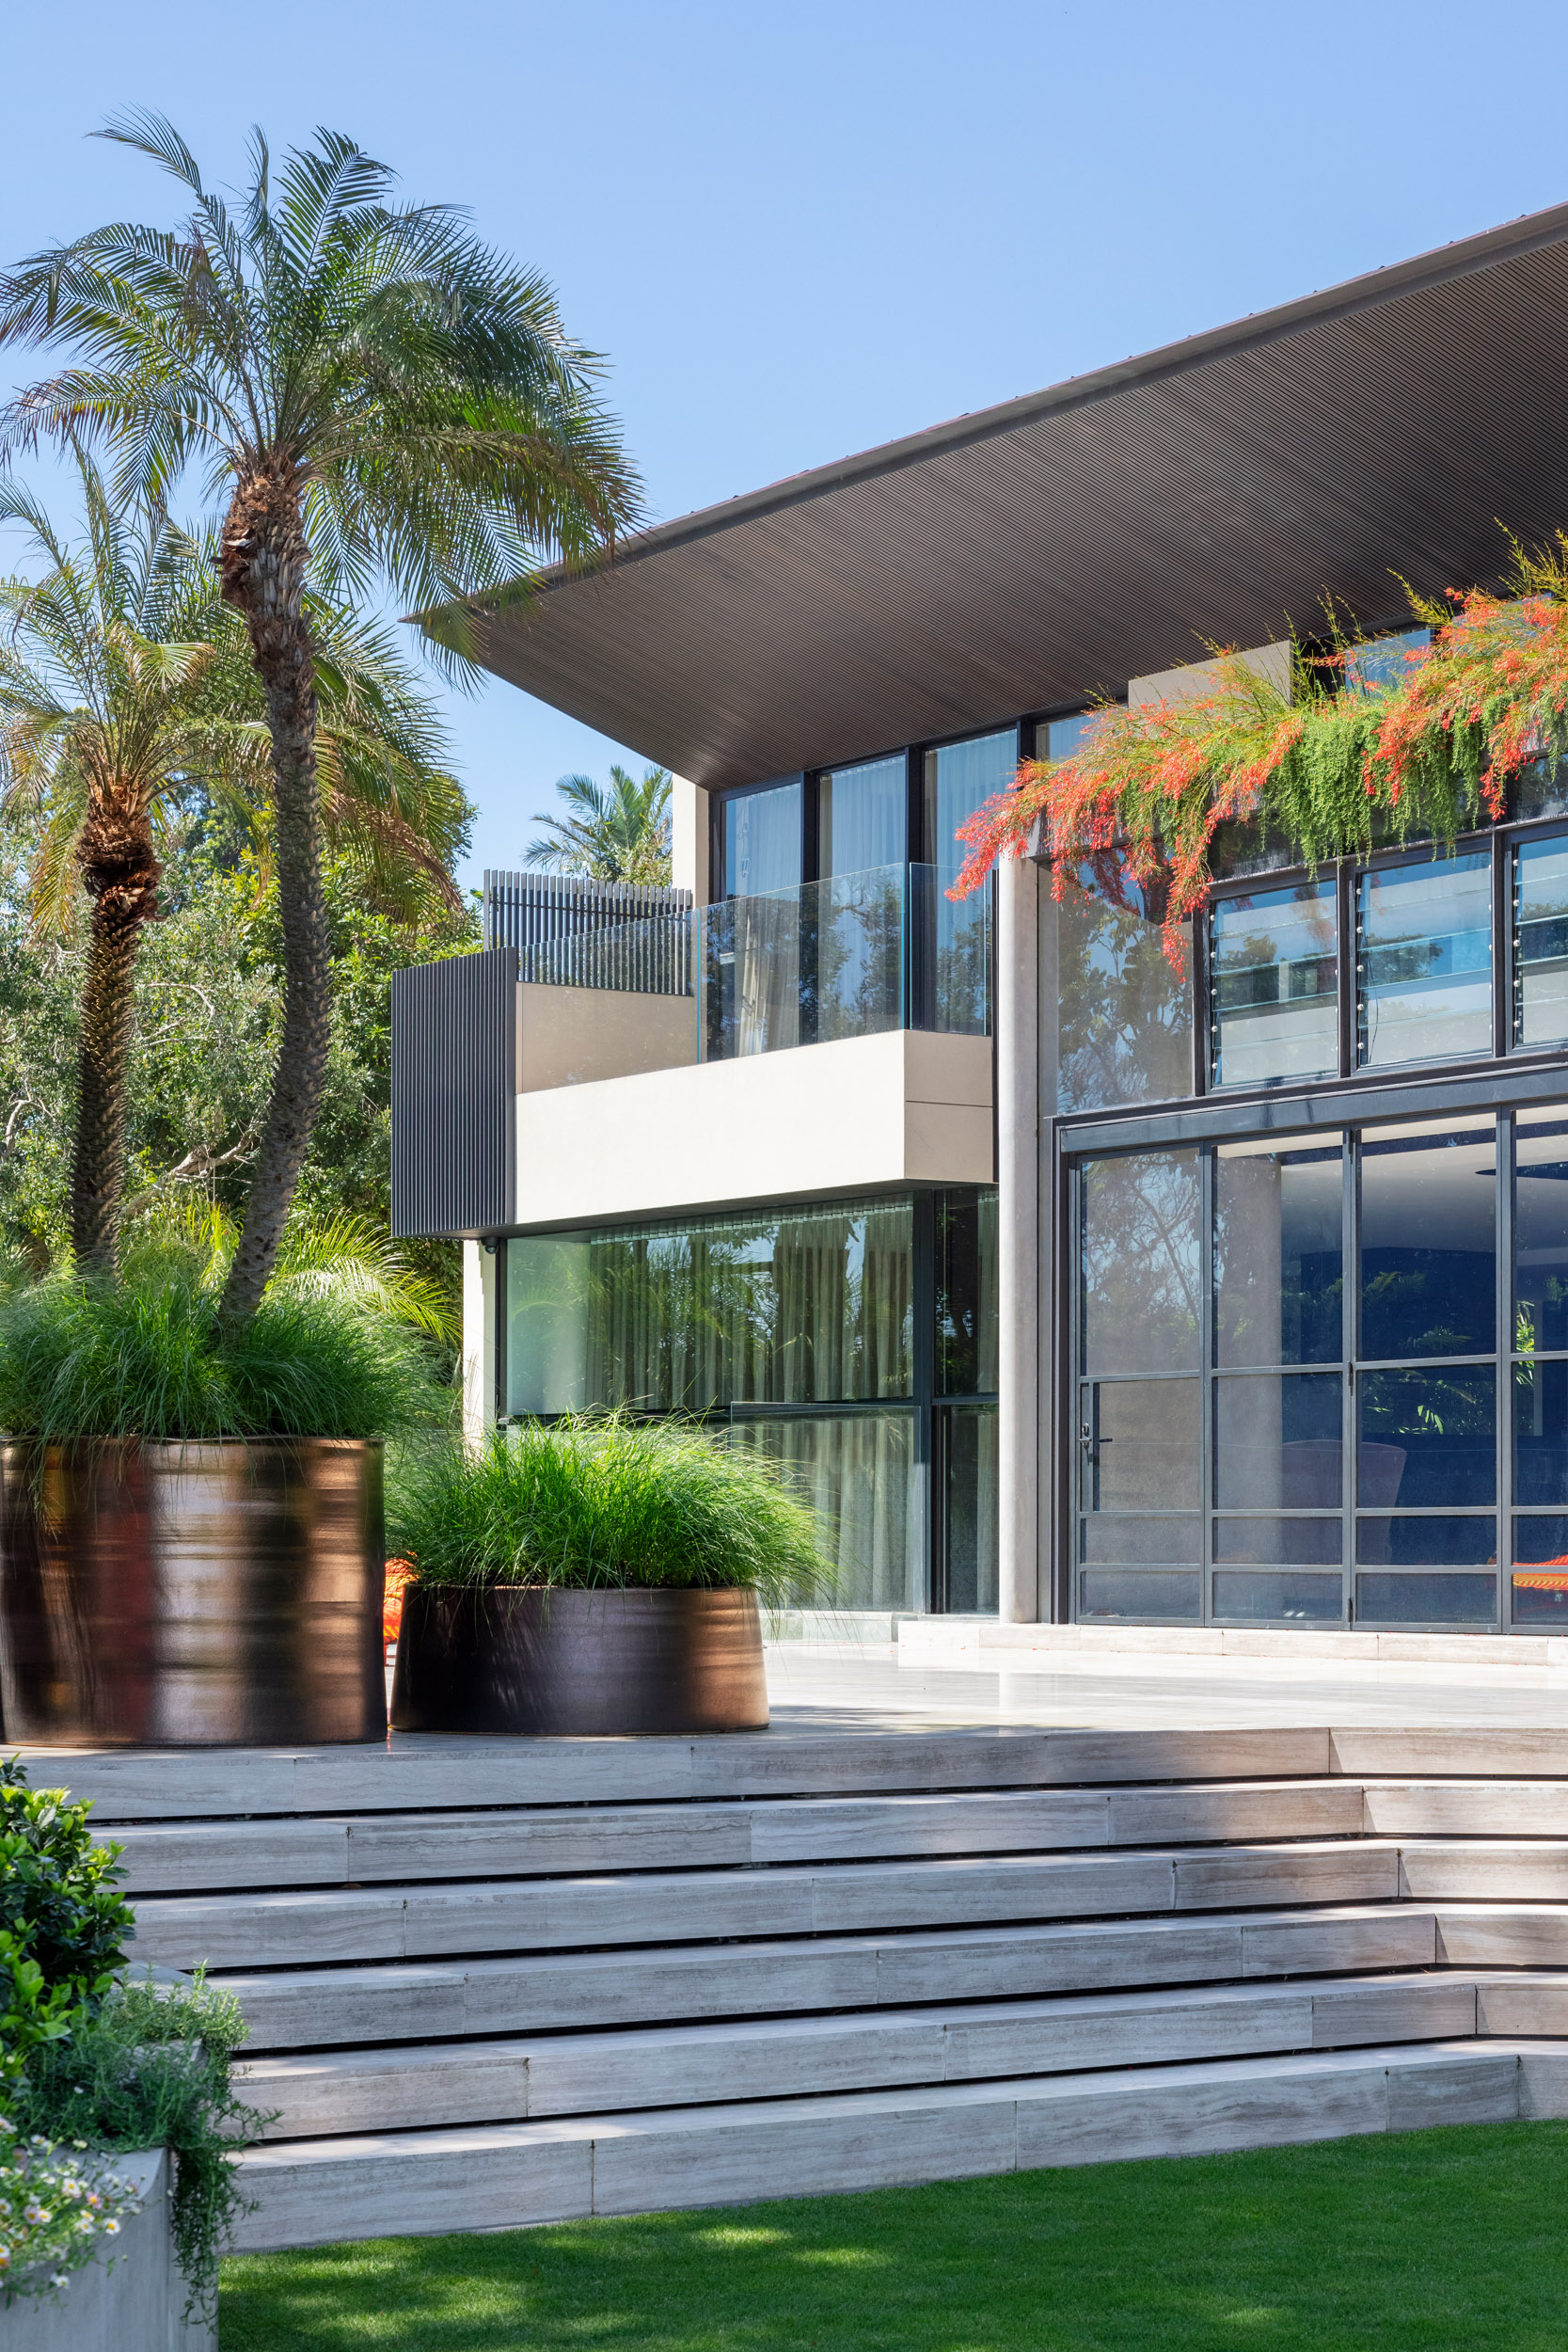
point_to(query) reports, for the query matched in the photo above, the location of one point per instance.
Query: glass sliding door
(1278, 1452)
(1310, 1431)
(1539, 1436)
(1138, 1415)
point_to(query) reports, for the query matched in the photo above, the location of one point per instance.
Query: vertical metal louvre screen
(455, 1030)
(570, 932)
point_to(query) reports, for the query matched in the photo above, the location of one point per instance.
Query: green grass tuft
(603, 1501)
(154, 1360)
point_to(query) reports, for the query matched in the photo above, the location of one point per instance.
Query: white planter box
(134, 2307)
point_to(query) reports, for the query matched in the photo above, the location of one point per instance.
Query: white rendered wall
(904, 1107)
(1018, 1252)
(689, 838)
(478, 1342)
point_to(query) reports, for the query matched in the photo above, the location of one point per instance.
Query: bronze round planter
(508, 1658)
(192, 1595)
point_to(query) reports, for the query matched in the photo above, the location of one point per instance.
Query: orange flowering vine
(1334, 767)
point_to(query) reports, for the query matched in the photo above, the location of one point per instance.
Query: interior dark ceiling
(1026, 558)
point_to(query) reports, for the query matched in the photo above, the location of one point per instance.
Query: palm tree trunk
(264, 556)
(98, 1159)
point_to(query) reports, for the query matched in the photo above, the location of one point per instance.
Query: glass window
(1541, 943)
(1426, 1540)
(1252, 1594)
(1110, 1540)
(762, 839)
(862, 817)
(1541, 1231)
(1274, 986)
(1280, 1543)
(1373, 668)
(966, 1294)
(959, 778)
(1424, 962)
(856, 1472)
(969, 1506)
(1428, 1439)
(1166, 1595)
(1062, 739)
(1278, 1443)
(796, 1307)
(1124, 1012)
(1461, 1601)
(1142, 1452)
(1541, 1431)
(1427, 1241)
(1278, 1252)
(1141, 1270)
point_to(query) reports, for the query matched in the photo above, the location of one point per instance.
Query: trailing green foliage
(147, 2067)
(58, 1902)
(158, 1359)
(1348, 758)
(604, 1501)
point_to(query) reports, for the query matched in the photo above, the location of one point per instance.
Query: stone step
(545, 1915)
(499, 2176)
(1464, 1808)
(316, 1851)
(402, 2087)
(324, 2007)
(411, 1773)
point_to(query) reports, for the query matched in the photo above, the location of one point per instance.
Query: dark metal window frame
(1331, 1107)
(1499, 841)
(926, 1409)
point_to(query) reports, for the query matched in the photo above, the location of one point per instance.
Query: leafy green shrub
(59, 1903)
(156, 1360)
(149, 2068)
(605, 1501)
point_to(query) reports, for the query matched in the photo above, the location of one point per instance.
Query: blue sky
(797, 228)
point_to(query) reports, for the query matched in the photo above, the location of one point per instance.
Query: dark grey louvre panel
(454, 1059)
(536, 909)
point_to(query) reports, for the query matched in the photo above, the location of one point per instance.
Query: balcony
(855, 955)
(602, 1061)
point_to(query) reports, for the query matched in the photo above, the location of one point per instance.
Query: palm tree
(384, 402)
(621, 835)
(126, 689)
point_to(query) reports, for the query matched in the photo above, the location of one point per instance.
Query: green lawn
(1445, 2241)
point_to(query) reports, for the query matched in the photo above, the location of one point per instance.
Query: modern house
(1074, 1287)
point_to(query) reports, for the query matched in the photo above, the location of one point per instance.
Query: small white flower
(111, 2229)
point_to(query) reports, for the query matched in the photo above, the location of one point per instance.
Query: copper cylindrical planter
(192, 1595)
(506, 1658)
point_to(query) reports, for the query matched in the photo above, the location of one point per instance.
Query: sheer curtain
(855, 1470)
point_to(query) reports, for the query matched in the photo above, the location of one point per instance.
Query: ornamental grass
(160, 1360)
(604, 1501)
(1334, 767)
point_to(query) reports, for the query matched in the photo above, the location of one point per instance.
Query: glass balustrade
(850, 956)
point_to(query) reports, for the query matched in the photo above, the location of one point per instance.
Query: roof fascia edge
(1528, 234)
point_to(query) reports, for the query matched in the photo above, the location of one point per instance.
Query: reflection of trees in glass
(1141, 1261)
(763, 1311)
(856, 977)
(1124, 1017)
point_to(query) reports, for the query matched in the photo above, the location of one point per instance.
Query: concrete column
(1017, 1236)
(689, 838)
(479, 1342)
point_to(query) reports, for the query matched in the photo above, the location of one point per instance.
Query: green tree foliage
(209, 1000)
(383, 401)
(614, 833)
